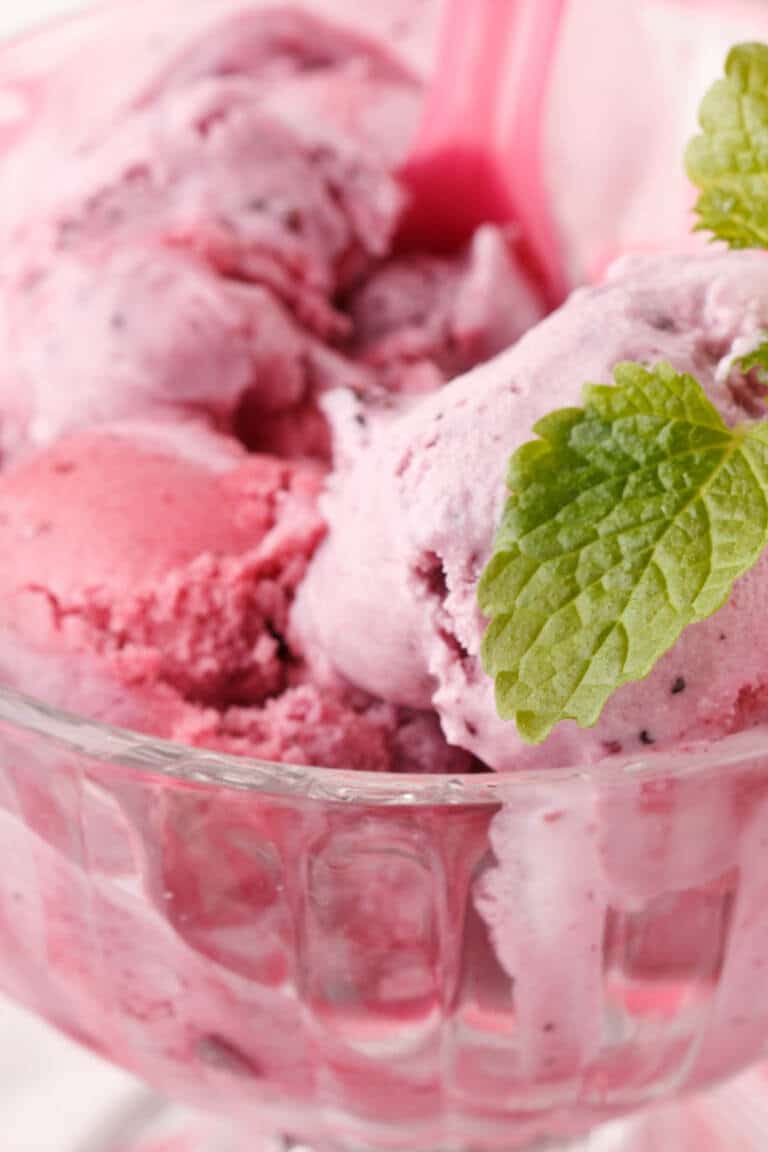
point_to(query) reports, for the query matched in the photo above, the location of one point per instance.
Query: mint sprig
(728, 161)
(627, 520)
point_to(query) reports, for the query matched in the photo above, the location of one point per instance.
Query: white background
(52, 1093)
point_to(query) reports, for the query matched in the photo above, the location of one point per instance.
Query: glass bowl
(371, 962)
(387, 963)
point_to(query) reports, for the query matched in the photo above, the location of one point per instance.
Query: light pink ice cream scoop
(391, 595)
(212, 224)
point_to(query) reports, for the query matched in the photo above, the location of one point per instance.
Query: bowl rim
(150, 756)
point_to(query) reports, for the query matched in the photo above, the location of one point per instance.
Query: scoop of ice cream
(190, 248)
(194, 252)
(149, 578)
(391, 596)
(174, 568)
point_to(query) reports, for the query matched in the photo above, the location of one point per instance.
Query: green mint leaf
(627, 520)
(728, 162)
(755, 361)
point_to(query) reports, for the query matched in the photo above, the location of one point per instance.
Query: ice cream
(413, 520)
(149, 576)
(215, 256)
(210, 240)
(214, 235)
(214, 280)
(217, 280)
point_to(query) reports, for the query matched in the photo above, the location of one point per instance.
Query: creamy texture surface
(213, 284)
(150, 575)
(214, 256)
(214, 239)
(415, 514)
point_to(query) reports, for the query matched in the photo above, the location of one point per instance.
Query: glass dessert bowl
(367, 961)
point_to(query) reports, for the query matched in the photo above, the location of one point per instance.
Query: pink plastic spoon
(478, 155)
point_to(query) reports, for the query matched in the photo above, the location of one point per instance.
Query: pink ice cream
(149, 577)
(216, 255)
(209, 243)
(218, 260)
(217, 266)
(413, 519)
(241, 175)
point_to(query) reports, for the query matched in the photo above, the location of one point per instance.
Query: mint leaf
(627, 520)
(729, 160)
(755, 361)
